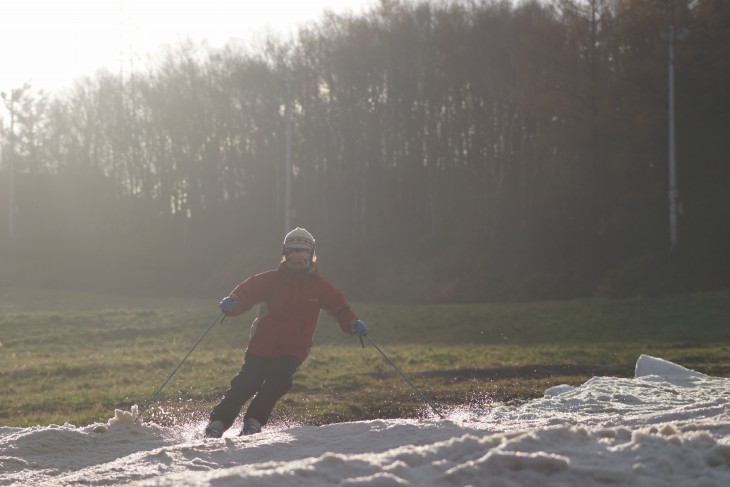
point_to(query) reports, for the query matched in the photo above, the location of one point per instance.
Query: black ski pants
(268, 378)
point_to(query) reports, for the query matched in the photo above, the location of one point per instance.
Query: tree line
(439, 151)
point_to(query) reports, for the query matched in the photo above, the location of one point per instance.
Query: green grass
(75, 357)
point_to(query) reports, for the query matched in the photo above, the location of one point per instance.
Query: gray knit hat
(299, 239)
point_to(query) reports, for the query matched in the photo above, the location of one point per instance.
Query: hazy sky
(52, 42)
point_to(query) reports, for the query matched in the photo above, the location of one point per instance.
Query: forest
(442, 151)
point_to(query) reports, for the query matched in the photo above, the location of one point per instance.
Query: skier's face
(298, 260)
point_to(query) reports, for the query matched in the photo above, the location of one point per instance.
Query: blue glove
(358, 327)
(227, 304)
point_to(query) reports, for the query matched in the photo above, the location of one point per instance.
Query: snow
(668, 426)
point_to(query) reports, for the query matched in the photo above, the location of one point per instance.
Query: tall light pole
(11, 168)
(670, 35)
(288, 163)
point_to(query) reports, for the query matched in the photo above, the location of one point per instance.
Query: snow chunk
(648, 365)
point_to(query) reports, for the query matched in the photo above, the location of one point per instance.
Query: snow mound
(653, 366)
(667, 426)
(124, 417)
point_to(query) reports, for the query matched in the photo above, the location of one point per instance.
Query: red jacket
(289, 307)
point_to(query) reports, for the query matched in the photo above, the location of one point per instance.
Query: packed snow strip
(667, 426)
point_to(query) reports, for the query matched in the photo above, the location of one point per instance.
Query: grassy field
(75, 357)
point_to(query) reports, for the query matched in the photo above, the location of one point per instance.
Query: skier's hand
(227, 304)
(358, 327)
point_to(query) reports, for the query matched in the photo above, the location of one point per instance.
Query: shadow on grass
(532, 371)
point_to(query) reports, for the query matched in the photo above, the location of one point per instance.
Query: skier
(290, 299)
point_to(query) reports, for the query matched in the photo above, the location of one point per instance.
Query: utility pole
(2, 150)
(288, 163)
(670, 35)
(11, 167)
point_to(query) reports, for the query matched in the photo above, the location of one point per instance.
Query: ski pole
(217, 320)
(425, 399)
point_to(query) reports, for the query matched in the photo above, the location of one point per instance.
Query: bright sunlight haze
(50, 43)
